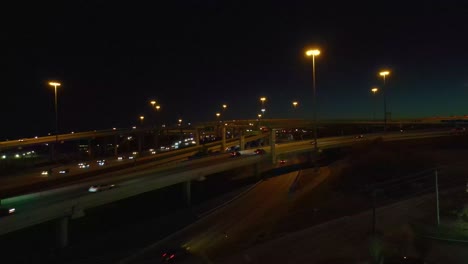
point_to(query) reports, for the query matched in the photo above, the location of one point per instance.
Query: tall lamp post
(224, 109)
(312, 53)
(55, 85)
(374, 91)
(384, 74)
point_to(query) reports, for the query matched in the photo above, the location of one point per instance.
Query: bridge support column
(140, 142)
(90, 148)
(156, 138)
(223, 139)
(273, 145)
(62, 232)
(256, 170)
(197, 137)
(242, 141)
(188, 192)
(116, 146)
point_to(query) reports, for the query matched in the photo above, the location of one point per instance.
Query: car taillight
(172, 256)
(164, 254)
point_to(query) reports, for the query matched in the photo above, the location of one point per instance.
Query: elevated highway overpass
(72, 201)
(209, 127)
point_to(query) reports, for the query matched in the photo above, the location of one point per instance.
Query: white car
(101, 162)
(100, 187)
(83, 165)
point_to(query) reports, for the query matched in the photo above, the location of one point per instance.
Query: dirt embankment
(347, 189)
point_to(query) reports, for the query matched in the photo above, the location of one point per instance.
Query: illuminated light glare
(314, 52)
(384, 73)
(54, 83)
(17, 155)
(374, 90)
(4, 156)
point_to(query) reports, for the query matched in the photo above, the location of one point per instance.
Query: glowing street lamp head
(158, 107)
(384, 73)
(259, 115)
(262, 99)
(224, 106)
(218, 114)
(313, 52)
(180, 120)
(374, 90)
(55, 84)
(141, 118)
(295, 103)
(153, 102)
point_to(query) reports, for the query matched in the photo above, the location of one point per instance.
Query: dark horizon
(192, 57)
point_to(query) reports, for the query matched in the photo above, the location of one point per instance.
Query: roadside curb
(134, 256)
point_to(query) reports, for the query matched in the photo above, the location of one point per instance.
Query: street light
(384, 74)
(141, 119)
(153, 102)
(55, 85)
(313, 53)
(295, 104)
(374, 91)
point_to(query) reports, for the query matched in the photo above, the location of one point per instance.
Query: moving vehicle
(235, 154)
(101, 187)
(172, 255)
(101, 162)
(83, 165)
(6, 211)
(64, 171)
(260, 151)
(458, 130)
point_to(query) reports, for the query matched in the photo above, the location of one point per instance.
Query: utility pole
(437, 196)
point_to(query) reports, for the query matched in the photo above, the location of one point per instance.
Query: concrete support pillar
(52, 151)
(197, 136)
(273, 145)
(156, 138)
(62, 232)
(223, 139)
(90, 148)
(188, 192)
(116, 145)
(140, 142)
(242, 141)
(256, 170)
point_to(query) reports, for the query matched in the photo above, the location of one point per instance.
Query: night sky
(192, 56)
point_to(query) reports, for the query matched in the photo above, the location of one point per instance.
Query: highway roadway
(119, 179)
(151, 170)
